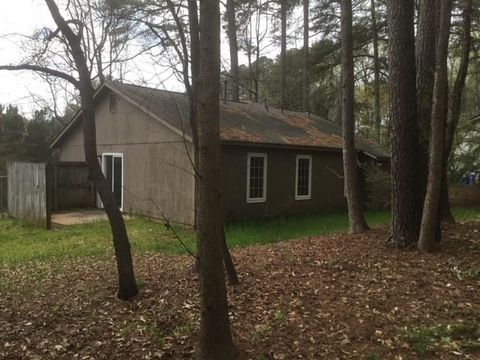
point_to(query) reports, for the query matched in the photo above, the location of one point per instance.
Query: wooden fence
(69, 186)
(27, 193)
(35, 190)
(3, 193)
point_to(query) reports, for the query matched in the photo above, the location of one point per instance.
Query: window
(113, 103)
(256, 177)
(303, 178)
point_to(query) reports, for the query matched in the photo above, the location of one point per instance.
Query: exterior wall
(327, 192)
(158, 176)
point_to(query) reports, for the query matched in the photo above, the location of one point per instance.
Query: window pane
(109, 168)
(303, 176)
(256, 181)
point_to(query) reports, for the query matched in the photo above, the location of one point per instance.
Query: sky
(19, 18)
(28, 91)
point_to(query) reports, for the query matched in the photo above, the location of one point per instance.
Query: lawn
(20, 242)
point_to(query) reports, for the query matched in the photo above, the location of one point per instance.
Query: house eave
(298, 147)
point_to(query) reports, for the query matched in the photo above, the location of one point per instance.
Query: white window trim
(104, 165)
(309, 195)
(265, 164)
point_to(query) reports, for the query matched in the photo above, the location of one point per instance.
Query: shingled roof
(244, 122)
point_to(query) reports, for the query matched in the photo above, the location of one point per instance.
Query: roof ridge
(121, 83)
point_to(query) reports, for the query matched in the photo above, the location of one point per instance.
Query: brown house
(274, 163)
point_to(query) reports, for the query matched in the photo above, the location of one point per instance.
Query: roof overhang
(300, 147)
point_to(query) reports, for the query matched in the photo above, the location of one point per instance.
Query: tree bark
(455, 105)
(430, 216)
(406, 207)
(283, 53)
(339, 102)
(425, 61)
(216, 341)
(351, 170)
(376, 72)
(306, 56)
(192, 98)
(232, 39)
(228, 262)
(192, 94)
(126, 278)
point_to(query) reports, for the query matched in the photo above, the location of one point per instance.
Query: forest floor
(327, 297)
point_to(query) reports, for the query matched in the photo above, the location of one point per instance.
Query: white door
(112, 166)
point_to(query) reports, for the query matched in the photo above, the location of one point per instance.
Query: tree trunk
(283, 53)
(446, 214)
(306, 57)
(376, 72)
(339, 102)
(406, 207)
(232, 39)
(195, 61)
(455, 105)
(228, 262)
(351, 170)
(215, 335)
(430, 216)
(192, 94)
(425, 60)
(127, 287)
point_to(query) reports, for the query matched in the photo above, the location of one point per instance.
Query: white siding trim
(265, 163)
(309, 195)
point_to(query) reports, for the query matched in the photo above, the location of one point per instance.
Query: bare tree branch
(43, 70)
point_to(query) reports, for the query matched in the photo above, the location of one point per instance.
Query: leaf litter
(330, 297)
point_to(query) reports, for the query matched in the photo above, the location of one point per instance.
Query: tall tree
(425, 61)
(351, 171)
(232, 40)
(283, 51)
(455, 105)
(376, 70)
(430, 216)
(170, 31)
(74, 42)
(216, 341)
(406, 207)
(127, 285)
(306, 56)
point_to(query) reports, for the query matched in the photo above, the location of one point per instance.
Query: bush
(377, 187)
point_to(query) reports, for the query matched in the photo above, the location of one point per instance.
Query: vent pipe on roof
(265, 104)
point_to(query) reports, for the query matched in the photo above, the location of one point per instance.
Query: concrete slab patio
(82, 216)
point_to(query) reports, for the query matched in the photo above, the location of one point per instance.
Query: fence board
(27, 195)
(3, 193)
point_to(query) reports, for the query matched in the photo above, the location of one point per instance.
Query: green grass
(466, 213)
(20, 242)
(281, 229)
(424, 339)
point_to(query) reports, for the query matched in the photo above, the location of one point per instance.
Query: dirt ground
(331, 297)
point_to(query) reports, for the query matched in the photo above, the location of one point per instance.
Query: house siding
(158, 174)
(327, 190)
